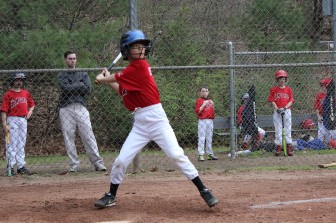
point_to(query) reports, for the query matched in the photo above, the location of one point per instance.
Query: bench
(222, 124)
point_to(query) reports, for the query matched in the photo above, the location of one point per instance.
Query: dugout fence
(112, 122)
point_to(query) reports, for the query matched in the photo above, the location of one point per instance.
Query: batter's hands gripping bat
(9, 169)
(111, 66)
(284, 144)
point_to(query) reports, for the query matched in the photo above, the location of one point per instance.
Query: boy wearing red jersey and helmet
(140, 95)
(205, 112)
(17, 107)
(322, 132)
(281, 97)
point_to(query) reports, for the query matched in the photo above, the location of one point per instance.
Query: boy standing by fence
(281, 97)
(17, 107)
(205, 112)
(141, 96)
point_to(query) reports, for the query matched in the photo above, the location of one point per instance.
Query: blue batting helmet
(133, 36)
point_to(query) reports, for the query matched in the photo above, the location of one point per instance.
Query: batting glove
(281, 111)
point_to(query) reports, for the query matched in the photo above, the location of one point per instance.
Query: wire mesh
(190, 49)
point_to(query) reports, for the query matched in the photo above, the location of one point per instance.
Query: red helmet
(307, 124)
(326, 81)
(281, 73)
(332, 144)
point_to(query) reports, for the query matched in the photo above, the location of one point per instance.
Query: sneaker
(277, 150)
(200, 158)
(100, 167)
(73, 170)
(212, 157)
(208, 197)
(290, 151)
(107, 200)
(24, 170)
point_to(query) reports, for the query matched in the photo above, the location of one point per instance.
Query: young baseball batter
(17, 107)
(205, 112)
(281, 97)
(247, 137)
(140, 95)
(323, 133)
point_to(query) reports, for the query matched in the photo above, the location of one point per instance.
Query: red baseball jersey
(17, 103)
(208, 111)
(319, 101)
(137, 85)
(240, 114)
(281, 96)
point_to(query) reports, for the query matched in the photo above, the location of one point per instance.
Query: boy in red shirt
(205, 112)
(281, 97)
(17, 107)
(141, 96)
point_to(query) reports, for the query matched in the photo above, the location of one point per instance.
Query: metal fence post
(133, 14)
(232, 103)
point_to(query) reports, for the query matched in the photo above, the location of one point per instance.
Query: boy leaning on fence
(281, 97)
(247, 138)
(205, 113)
(137, 86)
(17, 107)
(323, 133)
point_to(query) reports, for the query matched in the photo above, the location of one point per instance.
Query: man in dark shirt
(75, 87)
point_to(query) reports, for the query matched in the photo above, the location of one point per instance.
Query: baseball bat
(327, 165)
(111, 66)
(7, 139)
(284, 144)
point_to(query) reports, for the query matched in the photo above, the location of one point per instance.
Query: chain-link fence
(190, 50)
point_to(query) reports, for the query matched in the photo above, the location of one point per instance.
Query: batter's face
(136, 52)
(71, 60)
(204, 93)
(17, 83)
(282, 81)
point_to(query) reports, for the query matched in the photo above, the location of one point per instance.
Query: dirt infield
(275, 196)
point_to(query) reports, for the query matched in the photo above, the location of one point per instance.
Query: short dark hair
(203, 86)
(68, 52)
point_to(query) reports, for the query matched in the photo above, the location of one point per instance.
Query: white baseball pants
(324, 134)
(278, 127)
(151, 124)
(18, 136)
(205, 132)
(247, 138)
(76, 116)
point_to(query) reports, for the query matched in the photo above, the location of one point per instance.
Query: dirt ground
(274, 196)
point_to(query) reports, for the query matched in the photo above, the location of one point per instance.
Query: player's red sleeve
(317, 101)
(291, 96)
(240, 115)
(30, 101)
(134, 76)
(198, 104)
